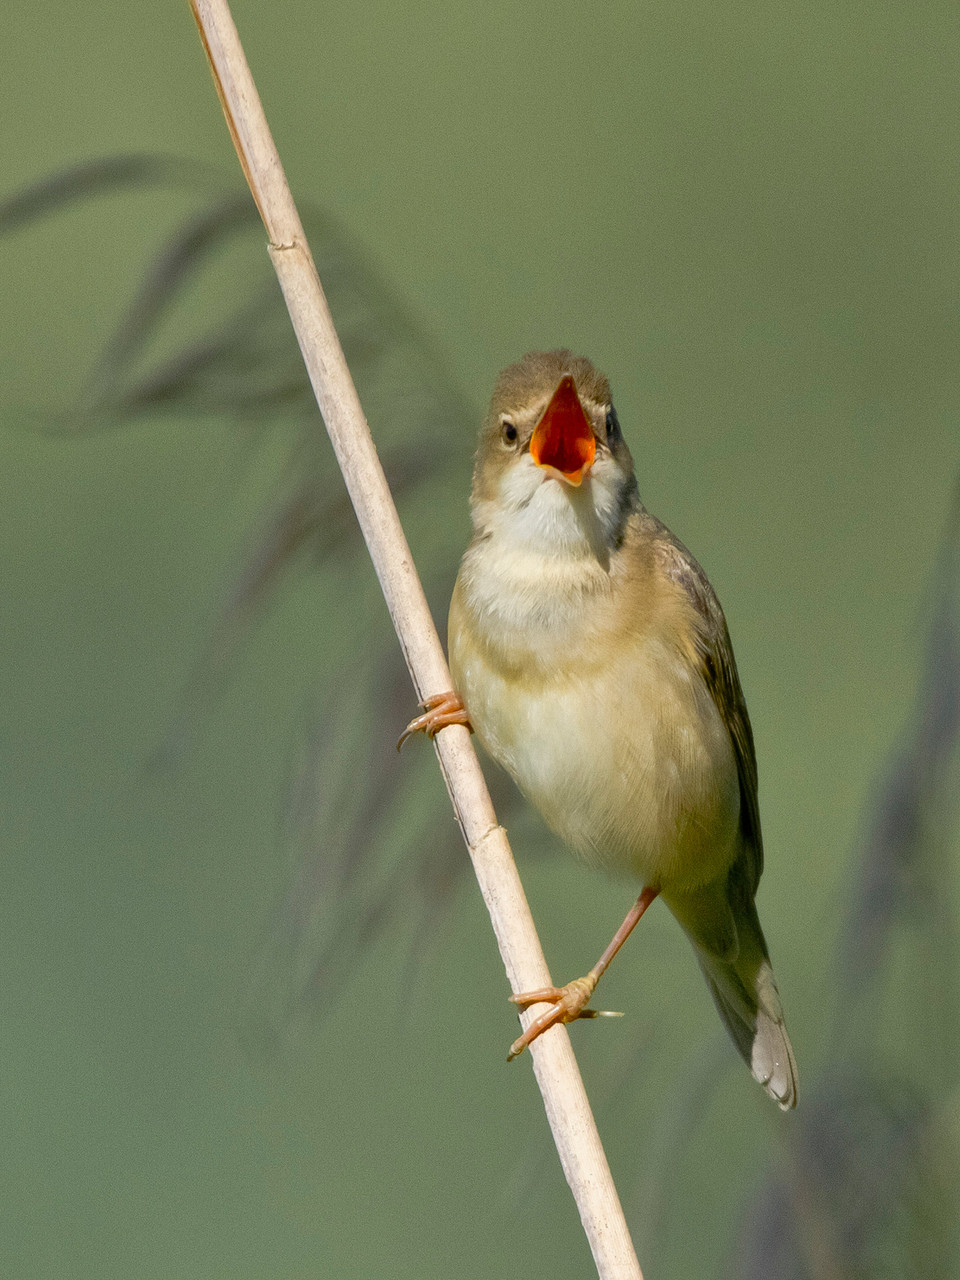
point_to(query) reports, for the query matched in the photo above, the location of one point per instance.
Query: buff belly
(636, 774)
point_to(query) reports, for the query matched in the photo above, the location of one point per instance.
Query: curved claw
(567, 1004)
(439, 711)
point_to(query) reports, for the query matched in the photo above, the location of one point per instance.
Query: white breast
(615, 738)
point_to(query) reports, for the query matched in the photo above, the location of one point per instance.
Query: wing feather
(718, 668)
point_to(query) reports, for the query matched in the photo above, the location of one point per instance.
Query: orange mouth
(563, 442)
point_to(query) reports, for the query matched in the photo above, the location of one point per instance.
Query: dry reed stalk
(565, 1099)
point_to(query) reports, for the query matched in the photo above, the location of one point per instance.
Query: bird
(590, 656)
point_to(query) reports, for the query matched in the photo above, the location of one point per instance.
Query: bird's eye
(613, 424)
(508, 432)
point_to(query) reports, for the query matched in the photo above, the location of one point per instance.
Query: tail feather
(755, 1023)
(720, 919)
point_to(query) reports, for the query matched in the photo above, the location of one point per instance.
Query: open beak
(563, 442)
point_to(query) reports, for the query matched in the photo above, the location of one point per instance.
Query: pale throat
(543, 549)
(538, 513)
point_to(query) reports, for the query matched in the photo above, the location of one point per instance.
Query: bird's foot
(440, 710)
(567, 1004)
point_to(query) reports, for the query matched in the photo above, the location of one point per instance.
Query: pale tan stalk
(565, 1099)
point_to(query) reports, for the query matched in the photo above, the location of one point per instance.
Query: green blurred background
(748, 216)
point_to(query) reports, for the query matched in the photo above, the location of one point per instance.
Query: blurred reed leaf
(362, 861)
(870, 1182)
(243, 359)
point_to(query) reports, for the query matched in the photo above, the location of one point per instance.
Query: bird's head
(552, 467)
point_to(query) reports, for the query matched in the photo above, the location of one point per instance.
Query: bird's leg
(570, 1002)
(440, 710)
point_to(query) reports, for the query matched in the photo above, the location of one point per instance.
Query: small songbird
(592, 659)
